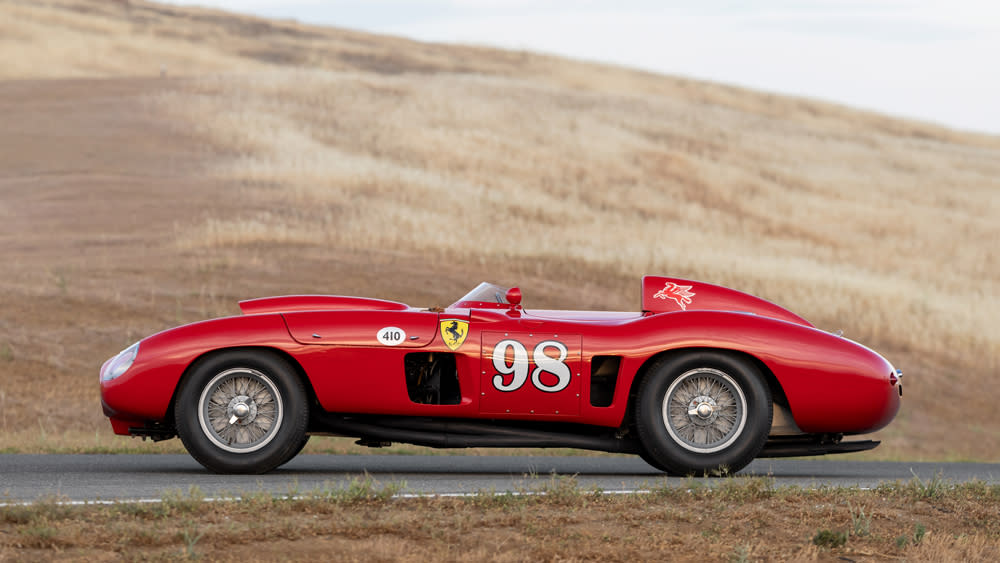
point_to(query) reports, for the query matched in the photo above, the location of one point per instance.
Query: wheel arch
(777, 392)
(300, 373)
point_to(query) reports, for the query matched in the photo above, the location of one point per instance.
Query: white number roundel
(391, 336)
(519, 365)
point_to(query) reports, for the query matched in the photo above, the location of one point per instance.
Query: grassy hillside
(159, 163)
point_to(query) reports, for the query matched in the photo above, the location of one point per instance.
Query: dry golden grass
(277, 158)
(738, 520)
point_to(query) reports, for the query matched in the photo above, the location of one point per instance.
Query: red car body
(487, 372)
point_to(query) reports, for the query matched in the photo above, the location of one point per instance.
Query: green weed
(919, 531)
(358, 490)
(174, 501)
(861, 523)
(191, 535)
(745, 489)
(830, 539)
(924, 490)
(39, 535)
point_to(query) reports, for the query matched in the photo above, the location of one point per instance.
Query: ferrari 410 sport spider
(703, 379)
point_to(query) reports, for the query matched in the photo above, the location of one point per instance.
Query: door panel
(530, 373)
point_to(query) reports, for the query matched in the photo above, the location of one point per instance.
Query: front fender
(144, 391)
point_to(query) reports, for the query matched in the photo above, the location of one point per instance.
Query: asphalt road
(128, 477)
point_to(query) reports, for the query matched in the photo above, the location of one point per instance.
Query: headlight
(121, 363)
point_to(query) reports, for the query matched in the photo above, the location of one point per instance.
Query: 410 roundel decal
(391, 336)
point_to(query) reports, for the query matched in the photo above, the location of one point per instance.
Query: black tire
(242, 411)
(649, 459)
(296, 451)
(703, 413)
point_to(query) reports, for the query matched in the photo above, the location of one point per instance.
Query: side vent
(603, 379)
(432, 378)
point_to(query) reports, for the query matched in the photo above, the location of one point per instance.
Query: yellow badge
(454, 332)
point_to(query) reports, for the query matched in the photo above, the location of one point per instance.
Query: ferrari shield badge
(454, 332)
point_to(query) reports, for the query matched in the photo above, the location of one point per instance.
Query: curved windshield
(483, 293)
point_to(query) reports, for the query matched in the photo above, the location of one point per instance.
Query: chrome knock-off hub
(241, 409)
(701, 409)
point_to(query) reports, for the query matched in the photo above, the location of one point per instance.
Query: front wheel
(242, 412)
(703, 413)
(296, 450)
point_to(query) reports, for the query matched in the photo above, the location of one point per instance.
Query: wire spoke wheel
(704, 410)
(240, 410)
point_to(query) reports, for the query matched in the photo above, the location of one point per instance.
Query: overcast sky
(934, 60)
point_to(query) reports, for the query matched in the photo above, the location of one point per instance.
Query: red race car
(703, 379)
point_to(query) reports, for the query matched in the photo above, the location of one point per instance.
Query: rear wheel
(651, 461)
(242, 412)
(703, 413)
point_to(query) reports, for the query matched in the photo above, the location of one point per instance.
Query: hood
(666, 295)
(291, 303)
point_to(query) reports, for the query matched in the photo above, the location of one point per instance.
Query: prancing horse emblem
(453, 332)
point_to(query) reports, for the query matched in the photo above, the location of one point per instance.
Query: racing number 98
(519, 366)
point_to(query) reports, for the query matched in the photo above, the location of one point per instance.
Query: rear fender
(667, 295)
(777, 393)
(830, 384)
